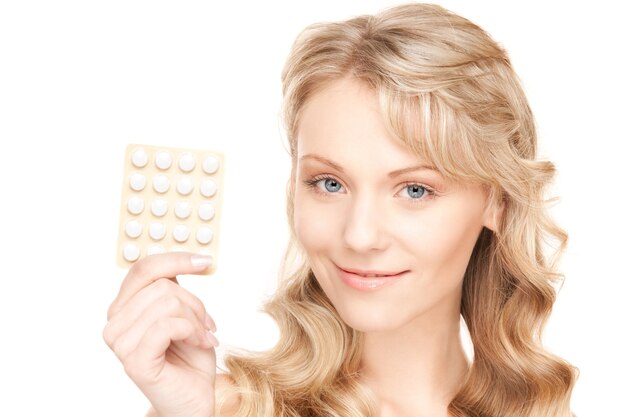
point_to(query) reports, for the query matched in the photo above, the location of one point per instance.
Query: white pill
(210, 165)
(159, 207)
(184, 186)
(137, 181)
(206, 211)
(163, 160)
(180, 233)
(133, 229)
(157, 231)
(154, 249)
(204, 235)
(161, 184)
(131, 252)
(139, 158)
(208, 188)
(187, 162)
(135, 205)
(182, 209)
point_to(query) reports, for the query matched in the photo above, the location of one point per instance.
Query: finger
(167, 307)
(154, 267)
(159, 290)
(146, 362)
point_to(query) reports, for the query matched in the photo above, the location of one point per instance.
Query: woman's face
(364, 205)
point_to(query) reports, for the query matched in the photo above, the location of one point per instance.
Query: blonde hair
(447, 91)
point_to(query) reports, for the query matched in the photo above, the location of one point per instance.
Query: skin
(412, 356)
(350, 214)
(161, 334)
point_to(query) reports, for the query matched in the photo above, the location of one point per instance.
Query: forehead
(344, 120)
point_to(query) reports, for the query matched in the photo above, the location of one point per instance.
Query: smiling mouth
(368, 280)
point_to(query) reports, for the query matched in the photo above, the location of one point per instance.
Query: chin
(370, 319)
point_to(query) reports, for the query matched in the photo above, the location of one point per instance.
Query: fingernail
(201, 261)
(208, 323)
(211, 338)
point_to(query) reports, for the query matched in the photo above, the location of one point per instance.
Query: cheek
(316, 225)
(442, 239)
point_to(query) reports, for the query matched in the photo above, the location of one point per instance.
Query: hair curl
(449, 92)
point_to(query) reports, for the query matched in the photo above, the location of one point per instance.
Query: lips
(365, 273)
(368, 280)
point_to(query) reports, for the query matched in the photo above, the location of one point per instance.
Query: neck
(417, 369)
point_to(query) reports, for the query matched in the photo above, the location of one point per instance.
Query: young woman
(415, 202)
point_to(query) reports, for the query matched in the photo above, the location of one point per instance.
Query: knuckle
(131, 367)
(161, 325)
(107, 335)
(163, 286)
(112, 310)
(173, 304)
(120, 347)
(197, 303)
(179, 303)
(116, 346)
(138, 268)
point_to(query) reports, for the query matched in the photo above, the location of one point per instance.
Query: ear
(494, 210)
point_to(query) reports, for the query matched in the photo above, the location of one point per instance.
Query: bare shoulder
(227, 400)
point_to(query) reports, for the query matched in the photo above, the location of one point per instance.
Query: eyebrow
(392, 174)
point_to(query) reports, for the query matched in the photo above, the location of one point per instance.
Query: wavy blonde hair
(447, 91)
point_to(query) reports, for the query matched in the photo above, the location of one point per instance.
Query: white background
(81, 79)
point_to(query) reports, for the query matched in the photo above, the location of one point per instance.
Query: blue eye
(415, 191)
(331, 185)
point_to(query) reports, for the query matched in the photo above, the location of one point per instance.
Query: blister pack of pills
(171, 201)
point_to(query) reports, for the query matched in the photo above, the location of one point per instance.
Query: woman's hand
(162, 335)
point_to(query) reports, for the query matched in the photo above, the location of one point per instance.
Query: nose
(364, 225)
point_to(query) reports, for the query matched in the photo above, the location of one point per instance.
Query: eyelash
(430, 192)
